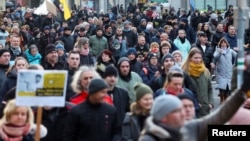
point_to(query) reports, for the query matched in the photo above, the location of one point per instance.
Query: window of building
(215, 4)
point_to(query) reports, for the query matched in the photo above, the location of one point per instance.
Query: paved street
(215, 94)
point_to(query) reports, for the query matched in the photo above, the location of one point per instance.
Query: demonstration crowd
(135, 76)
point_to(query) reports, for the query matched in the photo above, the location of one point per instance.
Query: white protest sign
(41, 88)
(2, 5)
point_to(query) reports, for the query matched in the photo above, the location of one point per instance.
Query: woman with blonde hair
(11, 80)
(201, 79)
(155, 48)
(17, 123)
(134, 120)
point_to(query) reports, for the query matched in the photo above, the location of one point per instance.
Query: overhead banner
(41, 88)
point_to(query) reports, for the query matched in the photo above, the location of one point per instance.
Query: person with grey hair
(80, 82)
(82, 46)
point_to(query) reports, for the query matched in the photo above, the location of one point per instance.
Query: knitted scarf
(196, 69)
(16, 50)
(174, 92)
(10, 132)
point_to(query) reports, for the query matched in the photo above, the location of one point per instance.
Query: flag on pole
(66, 10)
(192, 4)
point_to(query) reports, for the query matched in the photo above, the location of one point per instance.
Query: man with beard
(67, 39)
(46, 39)
(142, 48)
(126, 78)
(108, 33)
(119, 96)
(3, 34)
(51, 59)
(118, 44)
(182, 44)
(130, 35)
(15, 49)
(98, 43)
(190, 34)
(73, 62)
(142, 26)
(4, 64)
(137, 19)
(48, 21)
(219, 33)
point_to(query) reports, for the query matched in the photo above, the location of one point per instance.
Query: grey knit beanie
(163, 105)
(122, 59)
(169, 55)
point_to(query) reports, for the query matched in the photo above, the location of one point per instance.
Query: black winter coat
(92, 122)
(121, 102)
(9, 83)
(208, 55)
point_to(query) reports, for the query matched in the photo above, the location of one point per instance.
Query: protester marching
(133, 73)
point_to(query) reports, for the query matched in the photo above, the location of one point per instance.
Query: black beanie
(49, 48)
(96, 85)
(110, 71)
(2, 51)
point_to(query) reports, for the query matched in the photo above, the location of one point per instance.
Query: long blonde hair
(191, 53)
(14, 66)
(9, 110)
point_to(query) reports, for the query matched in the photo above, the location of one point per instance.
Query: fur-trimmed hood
(152, 128)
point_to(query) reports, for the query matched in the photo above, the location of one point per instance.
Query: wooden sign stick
(38, 123)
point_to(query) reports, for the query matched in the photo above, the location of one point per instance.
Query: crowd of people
(134, 76)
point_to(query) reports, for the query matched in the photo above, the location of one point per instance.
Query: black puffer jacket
(208, 55)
